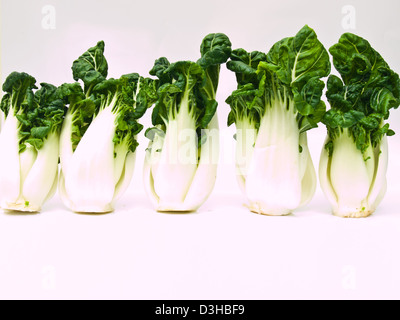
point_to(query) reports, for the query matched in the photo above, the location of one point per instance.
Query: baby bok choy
(277, 100)
(29, 141)
(354, 159)
(99, 134)
(182, 157)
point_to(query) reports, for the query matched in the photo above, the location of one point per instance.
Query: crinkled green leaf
(244, 64)
(290, 72)
(186, 78)
(158, 70)
(299, 59)
(38, 112)
(215, 50)
(195, 83)
(364, 95)
(91, 67)
(18, 88)
(245, 104)
(209, 112)
(129, 97)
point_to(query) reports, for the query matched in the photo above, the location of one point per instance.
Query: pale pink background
(223, 251)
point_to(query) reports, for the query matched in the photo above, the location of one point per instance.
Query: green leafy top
(46, 116)
(81, 108)
(91, 67)
(245, 65)
(194, 82)
(18, 88)
(215, 50)
(181, 81)
(291, 72)
(362, 98)
(129, 97)
(39, 112)
(246, 102)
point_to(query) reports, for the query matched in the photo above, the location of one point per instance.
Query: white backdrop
(222, 251)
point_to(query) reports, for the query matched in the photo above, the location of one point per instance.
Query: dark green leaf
(91, 67)
(367, 90)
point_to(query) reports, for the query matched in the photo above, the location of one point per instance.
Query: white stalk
(125, 177)
(379, 185)
(206, 174)
(120, 154)
(349, 177)
(246, 135)
(174, 178)
(274, 181)
(9, 162)
(62, 192)
(53, 188)
(27, 178)
(66, 150)
(178, 160)
(353, 182)
(40, 181)
(325, 177)
(27, 159)
(89, 180)
(308, 174)
(150, 168)
(2, 117)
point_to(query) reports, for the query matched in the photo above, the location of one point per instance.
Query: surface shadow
(19, 213)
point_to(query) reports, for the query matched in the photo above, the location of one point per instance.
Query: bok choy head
(181, 160)
(99, 135)
(277, 100)
(30, 142)
(354, 159)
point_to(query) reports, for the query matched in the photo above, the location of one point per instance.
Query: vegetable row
(80, 138)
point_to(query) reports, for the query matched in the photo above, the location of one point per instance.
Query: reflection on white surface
(223, 251)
